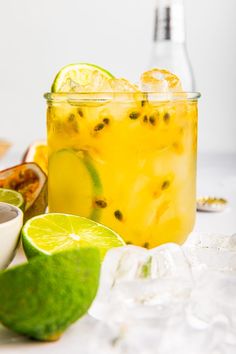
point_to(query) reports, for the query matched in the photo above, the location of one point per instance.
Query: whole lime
(40, 299)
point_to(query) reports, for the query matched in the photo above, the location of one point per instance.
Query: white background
(37, 37)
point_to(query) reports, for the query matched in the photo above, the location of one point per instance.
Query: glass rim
(108, 96)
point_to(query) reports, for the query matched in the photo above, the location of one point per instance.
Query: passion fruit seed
(134, 115)
(166, 118)
(146, 245)
(178, 148)
(71, 118)
(129, 243)
(106, 121)
(98, 127)
(80, 113)
(101, 203)
(152, 120)
(118, 215)
(57, 126)
(145, 119)
(12, 184)
(21, 174)
(143, 103)
(165, 185)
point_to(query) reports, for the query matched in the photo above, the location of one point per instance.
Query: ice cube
(153, 301)
(212, 298)
(97, 82)
(162, 81)
(138, 283)
(161, 337)
(122, 85)
(212, 251)
(185, 339)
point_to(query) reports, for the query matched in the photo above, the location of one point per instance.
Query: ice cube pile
(171, 299)
(155, 80)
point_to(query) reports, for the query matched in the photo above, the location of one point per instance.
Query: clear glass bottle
(169, 47)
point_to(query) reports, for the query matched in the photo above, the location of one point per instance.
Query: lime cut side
(55, 232)
(12, 197)
(73, 189)
(78, 74)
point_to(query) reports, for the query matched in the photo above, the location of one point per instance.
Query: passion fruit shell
(37, 152)
(31, 182)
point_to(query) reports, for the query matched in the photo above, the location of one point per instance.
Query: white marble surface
(216, 177)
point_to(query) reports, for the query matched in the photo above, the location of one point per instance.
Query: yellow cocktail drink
(126, 160)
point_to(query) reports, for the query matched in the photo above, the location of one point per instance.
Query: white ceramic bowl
(9, 236)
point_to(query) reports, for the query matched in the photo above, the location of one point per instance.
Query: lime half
(55, 232)
(81, 74)
(76, 188)
(12, 197)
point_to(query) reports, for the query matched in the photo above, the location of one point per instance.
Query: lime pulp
(12, 197)
(55, 232)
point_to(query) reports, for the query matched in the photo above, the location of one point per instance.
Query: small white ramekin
(9, 237)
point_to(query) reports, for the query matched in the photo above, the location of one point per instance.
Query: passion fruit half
(31, 182)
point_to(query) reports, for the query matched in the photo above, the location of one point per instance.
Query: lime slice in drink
(74, 184)
(43, 297)
(12, 197)
(81, 77)
(51, 233)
